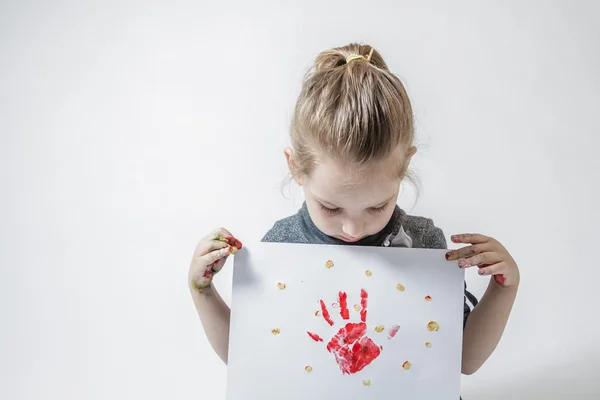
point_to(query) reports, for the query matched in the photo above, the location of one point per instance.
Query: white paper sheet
(264, 365)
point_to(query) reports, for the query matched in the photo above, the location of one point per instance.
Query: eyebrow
(328, 204)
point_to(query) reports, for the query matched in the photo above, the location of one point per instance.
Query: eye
(330, 211)
(379, 209)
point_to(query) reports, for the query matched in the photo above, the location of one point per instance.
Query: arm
(485, 325)
(214, 315)
(209, 258)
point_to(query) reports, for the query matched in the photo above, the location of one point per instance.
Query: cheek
(379, 221)
(326, 223)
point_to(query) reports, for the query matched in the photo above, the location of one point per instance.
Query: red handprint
(353, 350)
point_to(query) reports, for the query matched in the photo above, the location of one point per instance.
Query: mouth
(349, 240)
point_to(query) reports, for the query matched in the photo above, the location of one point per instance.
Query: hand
(209, 257)
(352, 348)
(489, 255)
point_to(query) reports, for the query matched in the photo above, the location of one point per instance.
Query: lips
(349, 240)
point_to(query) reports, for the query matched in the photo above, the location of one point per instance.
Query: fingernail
(451, 256)
(463, 264)
(481, 271)
(448, 256)
(454, 238)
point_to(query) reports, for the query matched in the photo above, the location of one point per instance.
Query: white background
(129, 130)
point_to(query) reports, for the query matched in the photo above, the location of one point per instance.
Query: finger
(234, 242)
(212, 269)
(203, 280)
(225, 236)
(218, 265)
(207, 245)
(465, 252)
(487, 257)
(218, 234)
(231, 241)
(212, 241)
(214, 256)
(495, 269)
(473, 238)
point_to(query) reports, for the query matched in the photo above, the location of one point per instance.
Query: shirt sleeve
(433, 238)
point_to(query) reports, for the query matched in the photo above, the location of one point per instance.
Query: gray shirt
(402, 230)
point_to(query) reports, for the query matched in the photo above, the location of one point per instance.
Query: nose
(353, 228)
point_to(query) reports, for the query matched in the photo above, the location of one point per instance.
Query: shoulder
(287, 230)
(423, 232)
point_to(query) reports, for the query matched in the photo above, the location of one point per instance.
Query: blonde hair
(351, 109)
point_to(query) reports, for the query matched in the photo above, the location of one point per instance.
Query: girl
(352, 139)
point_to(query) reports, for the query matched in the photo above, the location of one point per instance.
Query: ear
(411, 152)
(289, 157)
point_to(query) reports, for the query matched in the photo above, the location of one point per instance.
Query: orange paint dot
(433, 326)
(400, 287)
(357, 307)
(317, 313)
(275, 331)
(427, 298)
(368, 273)
(329, 264)
(406, 365)
(379, 328)
(367, 382)
(281, 286)
(428, 345)
(308, 368)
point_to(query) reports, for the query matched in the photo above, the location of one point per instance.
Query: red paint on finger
(500, 279)
(326, 315)
(315, 337)
(363, 303)
(342, 297)
(232, 241)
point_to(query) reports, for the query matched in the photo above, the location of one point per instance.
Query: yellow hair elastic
(370, 55)
(353, 57)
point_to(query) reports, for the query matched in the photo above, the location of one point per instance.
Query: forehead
(344, 185)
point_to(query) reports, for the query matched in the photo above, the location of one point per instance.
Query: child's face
(346, 211)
